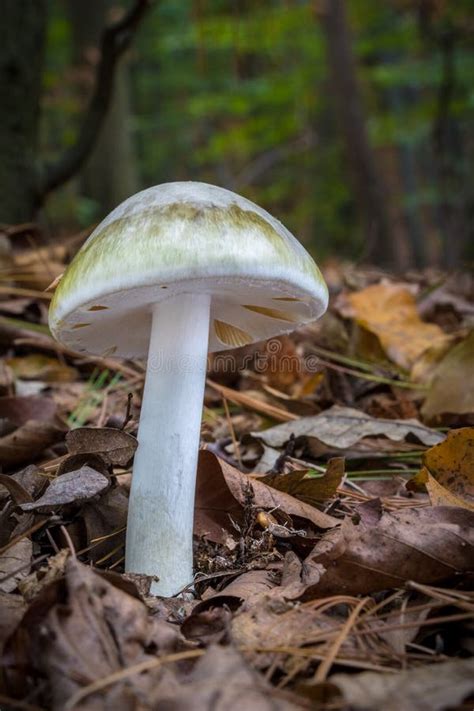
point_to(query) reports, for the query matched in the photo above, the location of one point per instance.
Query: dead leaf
(221, 680)
(37, 366)
(16, 558)
(269, 624)
(343, 427)
(307, 485)
(448, 471)
(20, 410)
(217, 478)
(83, 628)
(207, 627)
(384, 550)
(106, 518)
(18, 493)
(53, 569)
(449, 390)
(70, 488)
(12, 608)
(244, 587)
(28, 442)
(389, 311)
(430, 688)
(31, 480)
(116, 446)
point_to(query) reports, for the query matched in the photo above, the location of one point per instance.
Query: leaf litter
(333, 521)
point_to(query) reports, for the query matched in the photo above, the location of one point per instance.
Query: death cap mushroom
(185, 237)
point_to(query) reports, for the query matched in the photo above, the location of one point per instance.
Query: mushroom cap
(185, 237)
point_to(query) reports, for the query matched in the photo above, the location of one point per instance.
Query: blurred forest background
(353, 122)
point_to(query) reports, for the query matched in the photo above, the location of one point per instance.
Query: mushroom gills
(273, 313)
(230, 335)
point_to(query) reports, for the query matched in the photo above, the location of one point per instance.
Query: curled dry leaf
(31, 480)
(70, 488)
(17, 492)
(115, 446)
(245, 587)
(389, 311)
(220, 486)
(379, 550)
(430, 688)
(343, 427)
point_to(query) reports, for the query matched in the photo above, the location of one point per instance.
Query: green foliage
(242, 98)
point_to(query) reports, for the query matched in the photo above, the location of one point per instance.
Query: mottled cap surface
(185, 237)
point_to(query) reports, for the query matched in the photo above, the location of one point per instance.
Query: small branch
(115, 40)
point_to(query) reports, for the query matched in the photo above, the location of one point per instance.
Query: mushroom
(176, 271)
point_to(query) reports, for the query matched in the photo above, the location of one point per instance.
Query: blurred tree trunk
(22, 42)
(369, 190)
(110, 174)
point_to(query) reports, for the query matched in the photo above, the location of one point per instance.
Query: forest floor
(334, 511)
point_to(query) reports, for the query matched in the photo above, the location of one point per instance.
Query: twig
(115, 40)
(325, 667)
(128, 413)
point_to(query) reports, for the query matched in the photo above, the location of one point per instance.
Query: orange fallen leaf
(448, 471)
(389, 311)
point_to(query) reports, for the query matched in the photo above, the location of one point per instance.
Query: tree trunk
(369, 191)
(110, 173)
(22, 41)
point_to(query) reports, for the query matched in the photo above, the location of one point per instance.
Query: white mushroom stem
(161, 509)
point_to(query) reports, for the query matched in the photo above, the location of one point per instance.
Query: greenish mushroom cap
(193, 238)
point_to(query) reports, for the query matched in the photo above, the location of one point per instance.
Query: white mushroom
(176, 271)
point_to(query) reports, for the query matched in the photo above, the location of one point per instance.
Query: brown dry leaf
(217, 479)
(16, 558)
(31, 480)
(439, 495)
(17, 492)
(429, 688)
(449, 390)
(107, 518)
(343, 427)
(311, 489)
(12, 608)
(245, 587)
(449, 469)
(72, 487)
(377, 551)
(389, 311)
(271, 623)
(27, 442)
(116, 446)
(20, 410)
(83, 628)
(32, 428)
(222, 681)
(52, 570)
